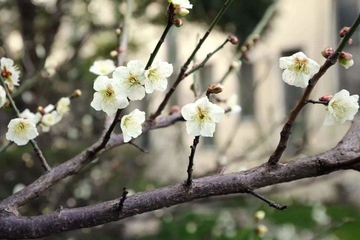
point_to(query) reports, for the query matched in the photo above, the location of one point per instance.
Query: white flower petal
(102, 67)
(131, 124)
(2, 96)
(21, 130)
(298, 69)
(201, 117)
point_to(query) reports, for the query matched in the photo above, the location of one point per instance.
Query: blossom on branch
(131, 124)
(298, 69)
(50, 119)
(62, 106)
(27, 114)
(9, 72)
(181, 4)
(102, 67)
(155, 76)
(2, 96)
(131, 79)
(201, 117)
(341, 107)
(109, 96)
(21, 130)
(346, 60)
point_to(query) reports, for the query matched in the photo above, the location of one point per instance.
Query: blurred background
(54, 43)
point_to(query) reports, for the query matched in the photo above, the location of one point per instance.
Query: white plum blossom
(62, 106)
(131, 79)
(341, 107)
(232, 103)
(27, 114)
(201, 117)
(131, 124)
(21, 130)
(298, 69)
(109, 96)
(102, 67)
(9, 72)
(2, 96)
(181, 3)
(50, 119)
(155, 76)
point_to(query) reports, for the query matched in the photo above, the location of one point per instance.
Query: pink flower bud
(234, 40)
(344, 31)
(327, 52)
(215, 88)
(326, 98)
(346, 59)
(178, 22)
(174, 109)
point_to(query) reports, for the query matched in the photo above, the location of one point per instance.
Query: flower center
(202, 114)
(300, 66)
(5, 73)
(20, 127)
(133, 81)
(108, 92)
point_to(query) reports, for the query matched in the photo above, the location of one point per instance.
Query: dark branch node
(122, 200)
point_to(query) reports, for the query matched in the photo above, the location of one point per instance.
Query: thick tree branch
(346, 155)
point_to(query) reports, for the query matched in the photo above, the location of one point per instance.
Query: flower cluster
(45, 117)
(130, 82)
(298, 71)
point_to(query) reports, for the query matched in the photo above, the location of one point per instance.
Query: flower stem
(191, 161)
(208, 56)
(181, 75)
(170, 22)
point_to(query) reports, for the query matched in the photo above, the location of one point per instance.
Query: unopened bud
(256, 37)
(259, 215)
(250, 44)
(178, 22)
(118, 31)
(344, 31)
(215, 88)
(327, 52)
(76, 93)
(174, 109)
(244, 49)
(346, 59)
(236, 64)
(350, 42)
(326, 98)
(41, 110)
(181, 12)
(114, 53)
(234, 40)
(261, 229)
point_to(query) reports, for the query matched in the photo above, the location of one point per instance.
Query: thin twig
(286, 131)
(41, 157)
(138, 147)
(181, 75)
(191, 161)
(317, 102)
(122, 200)
(268, 201)
(3, 148)
(107, 135)
(208, 56)
(170, 16)
(123, 38)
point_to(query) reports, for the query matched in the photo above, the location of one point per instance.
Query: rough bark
(346, 155)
